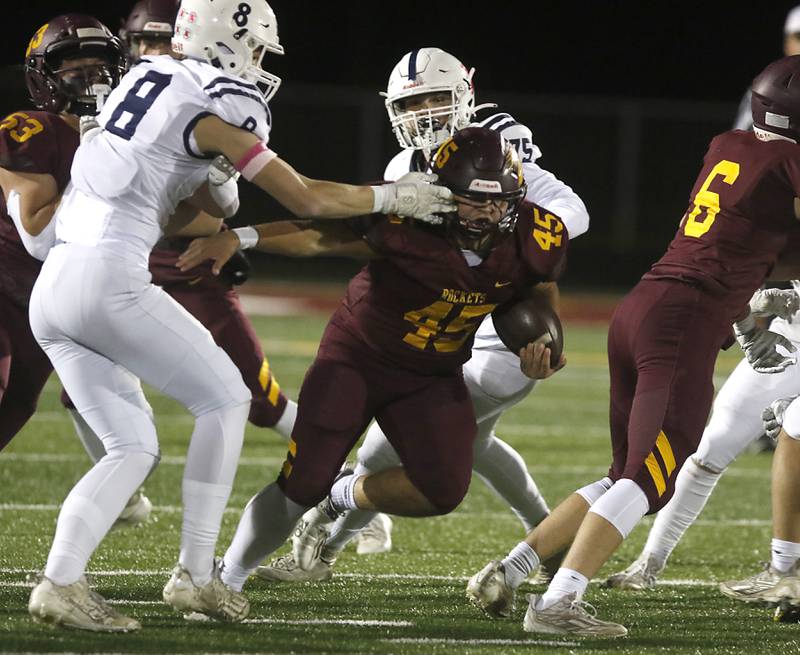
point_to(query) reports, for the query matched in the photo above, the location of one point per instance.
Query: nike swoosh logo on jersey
(501, 284)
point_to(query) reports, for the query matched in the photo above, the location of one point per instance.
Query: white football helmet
(232, 35)
(424, 71)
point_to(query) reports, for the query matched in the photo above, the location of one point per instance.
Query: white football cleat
(767, 586)
(136, 512)
(569, 617)
(640, 575)
(489, 591)
(309, 538)
(376, 537)
(216, 599)
(286, 569)
(76, 606)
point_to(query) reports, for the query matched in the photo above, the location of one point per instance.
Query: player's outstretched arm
(309, 198)
(291, 238)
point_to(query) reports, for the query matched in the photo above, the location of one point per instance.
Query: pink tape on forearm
(254, 160)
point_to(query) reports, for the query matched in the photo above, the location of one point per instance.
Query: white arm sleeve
(226, 195)
(37, 246)
(547, 190)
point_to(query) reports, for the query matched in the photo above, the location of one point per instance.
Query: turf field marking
(180, 460)
(177, 509)
(355, 622)
(483, 642)
(674, 582)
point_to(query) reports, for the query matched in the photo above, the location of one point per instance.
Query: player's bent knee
(623, 506)
(591, 493)
(444, 495)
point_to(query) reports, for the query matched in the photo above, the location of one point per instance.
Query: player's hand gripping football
(772, 416)
(760, 347)
(534, 361)
(415, 195)
(783, 303)
(218, 248)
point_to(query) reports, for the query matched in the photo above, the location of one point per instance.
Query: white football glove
(775, 302)
(414, 195)
(89, 128)
(221, 170)
(772, 416)
(759, 347)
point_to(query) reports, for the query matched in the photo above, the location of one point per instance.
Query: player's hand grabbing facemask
(782, 303)
(772, 416)
(760, 347)
(414, 195)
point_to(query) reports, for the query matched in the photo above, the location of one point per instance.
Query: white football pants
(495, 383)
(735, 423)
(104, 326)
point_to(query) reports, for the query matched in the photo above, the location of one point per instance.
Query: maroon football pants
(663, 342)
(428, 419)
(219, 309)
(24, 369)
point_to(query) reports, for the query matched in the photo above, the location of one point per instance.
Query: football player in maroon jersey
(662, 345)
(395, 347)
(70, 62)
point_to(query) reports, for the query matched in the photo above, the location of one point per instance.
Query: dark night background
(622, 96)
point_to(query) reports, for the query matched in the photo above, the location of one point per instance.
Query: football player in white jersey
(104, 325)
(735, 423)
(430, 95)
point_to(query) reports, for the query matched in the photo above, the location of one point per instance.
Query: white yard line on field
(179, 460)
(482, 642)
(675, 582)
(177, 509)
(355, 622)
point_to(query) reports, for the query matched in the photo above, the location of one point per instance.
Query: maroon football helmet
(776, 98)
(54, 83)
(149, 19)
(478, 164)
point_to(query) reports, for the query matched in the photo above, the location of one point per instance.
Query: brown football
(521, 322)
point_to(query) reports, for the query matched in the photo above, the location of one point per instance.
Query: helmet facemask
(83, 77)
(427, 128)
(476, 232)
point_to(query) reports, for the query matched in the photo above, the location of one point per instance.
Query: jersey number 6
(708, 200)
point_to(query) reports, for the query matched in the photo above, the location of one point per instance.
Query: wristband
(248, 237)
(379, 198)
(254, 160)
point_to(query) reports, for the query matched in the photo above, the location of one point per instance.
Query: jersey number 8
(130, 112)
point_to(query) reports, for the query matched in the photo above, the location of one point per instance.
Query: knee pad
(623, 506)
(591, 493)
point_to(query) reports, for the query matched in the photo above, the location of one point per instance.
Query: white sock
(90, 510)
(203, 506)
(208, 475)
(520, 563)
(285, 423)
(343, 493)
(504, 472)
(344, 530)
(91, 442)
(784, 554)
(693, 487)
(266, 523)
(564, 583)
